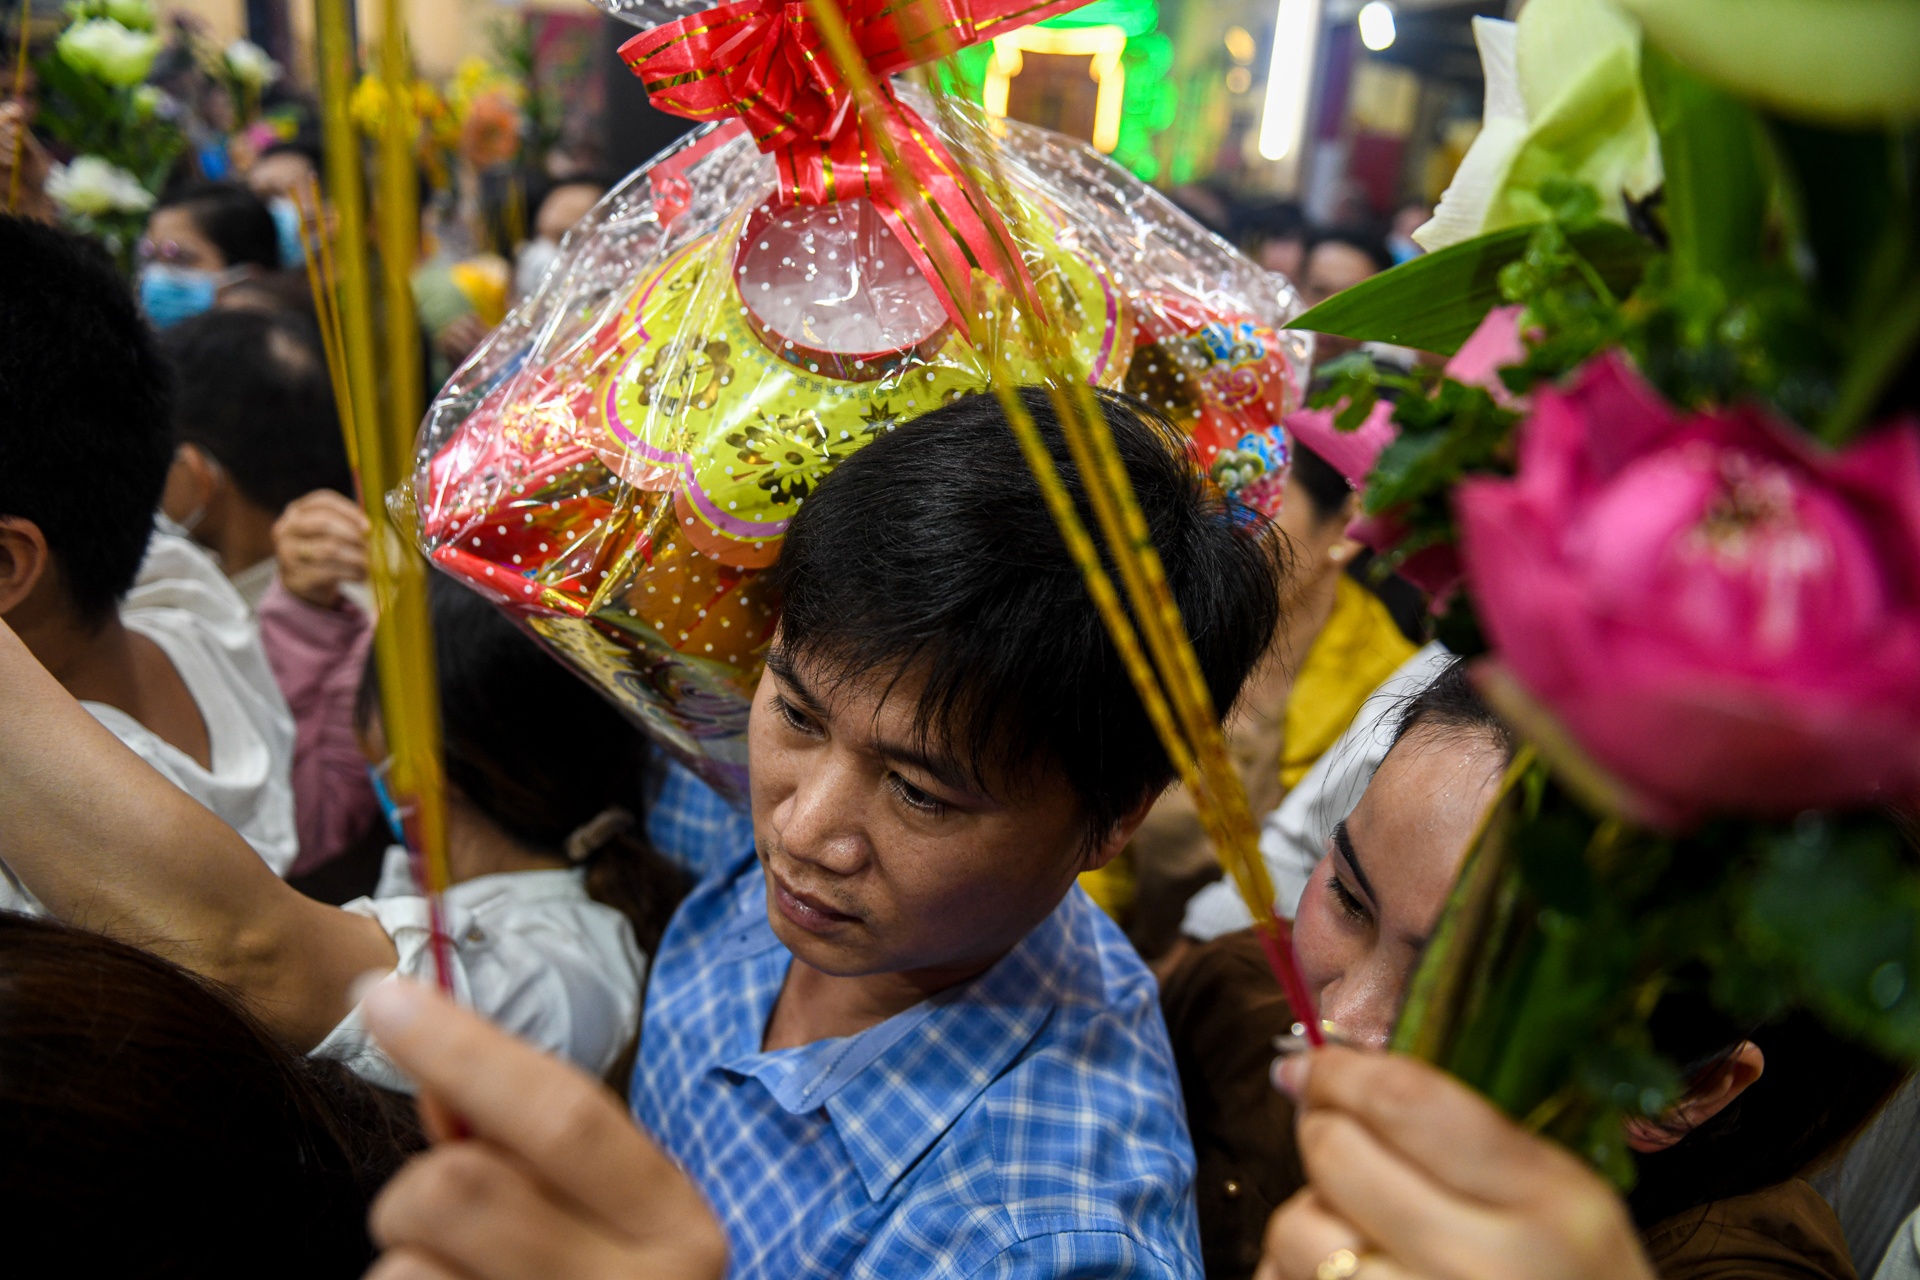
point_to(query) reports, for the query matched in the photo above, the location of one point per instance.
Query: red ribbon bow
(764, 62)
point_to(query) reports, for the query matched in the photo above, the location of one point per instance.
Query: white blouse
(531, 952)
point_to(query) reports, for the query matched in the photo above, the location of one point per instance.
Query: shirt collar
(894, 1089)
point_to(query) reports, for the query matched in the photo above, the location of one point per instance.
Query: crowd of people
(957, 990)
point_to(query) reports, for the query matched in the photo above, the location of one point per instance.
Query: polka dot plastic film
(618, 463)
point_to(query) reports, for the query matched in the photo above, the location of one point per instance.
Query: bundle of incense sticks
(380, 444)
(1157, 651)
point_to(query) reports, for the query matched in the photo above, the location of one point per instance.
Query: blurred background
(1344, 111)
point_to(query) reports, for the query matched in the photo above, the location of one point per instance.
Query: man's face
(883, 857)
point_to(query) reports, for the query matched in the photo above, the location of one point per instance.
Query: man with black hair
(887, 1036)
(254, 428)
(139, 625)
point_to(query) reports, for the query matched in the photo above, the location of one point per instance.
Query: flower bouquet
(618, 463)
(95, 101)
(1668, 490)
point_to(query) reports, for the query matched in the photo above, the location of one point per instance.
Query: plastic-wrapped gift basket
(618, 462)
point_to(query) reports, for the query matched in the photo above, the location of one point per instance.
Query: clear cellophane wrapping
(618, 462)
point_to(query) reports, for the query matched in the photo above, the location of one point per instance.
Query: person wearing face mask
(564, 204)
(285, 176)
(254, 429)
(1719, 1174)
(201, 239)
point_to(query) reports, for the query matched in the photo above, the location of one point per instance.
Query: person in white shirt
(185, 605)
(112, 714)
(556, 899)
(139, 625)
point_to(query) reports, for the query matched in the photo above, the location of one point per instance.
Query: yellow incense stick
(1173, 689)
(382, 443)
(326, 309)
(20, 95)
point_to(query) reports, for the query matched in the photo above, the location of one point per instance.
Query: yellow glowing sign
(1103, 44)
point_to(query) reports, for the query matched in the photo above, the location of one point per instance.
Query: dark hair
(1365, 239)
(1326, 488)
(1817, 1091)
(84, 444)
(931, 549)
(146, 1105)
(233, 218)
(535, 749)
(1450, 701)
(251, 388)
(1273, 220)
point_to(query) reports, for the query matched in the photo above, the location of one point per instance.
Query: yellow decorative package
(620, 460)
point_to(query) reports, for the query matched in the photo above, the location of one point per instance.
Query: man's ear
(1711, 1094)
(24, 561)
(192, 482)
(1109, 849)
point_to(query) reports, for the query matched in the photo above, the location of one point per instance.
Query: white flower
(93, 187)
(251, 65)
(1563, 101)
(102, 48)
(1854, 63)
(137, 15)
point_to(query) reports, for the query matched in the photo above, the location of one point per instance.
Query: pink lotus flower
(1435, 570)
(1494, 344)
(1722, 615)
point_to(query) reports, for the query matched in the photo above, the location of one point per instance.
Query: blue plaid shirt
(1025, 1124)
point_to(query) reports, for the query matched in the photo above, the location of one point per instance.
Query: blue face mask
(170, 294)
(286, 227)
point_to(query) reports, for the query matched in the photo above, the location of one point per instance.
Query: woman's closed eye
(1347, 900)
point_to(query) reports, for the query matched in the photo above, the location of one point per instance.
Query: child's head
(541, 756)
(84, 437)
(254, 425)
(946, 734)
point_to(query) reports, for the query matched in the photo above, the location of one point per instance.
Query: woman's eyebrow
(1344, 844)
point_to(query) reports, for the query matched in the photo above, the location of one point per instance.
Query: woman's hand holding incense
(553, 1180)
(1412, 1174)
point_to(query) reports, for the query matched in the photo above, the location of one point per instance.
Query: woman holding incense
(1718, 1175)
(555, 902)
(1308, 730)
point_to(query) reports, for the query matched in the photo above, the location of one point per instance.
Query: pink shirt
(317, 656)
